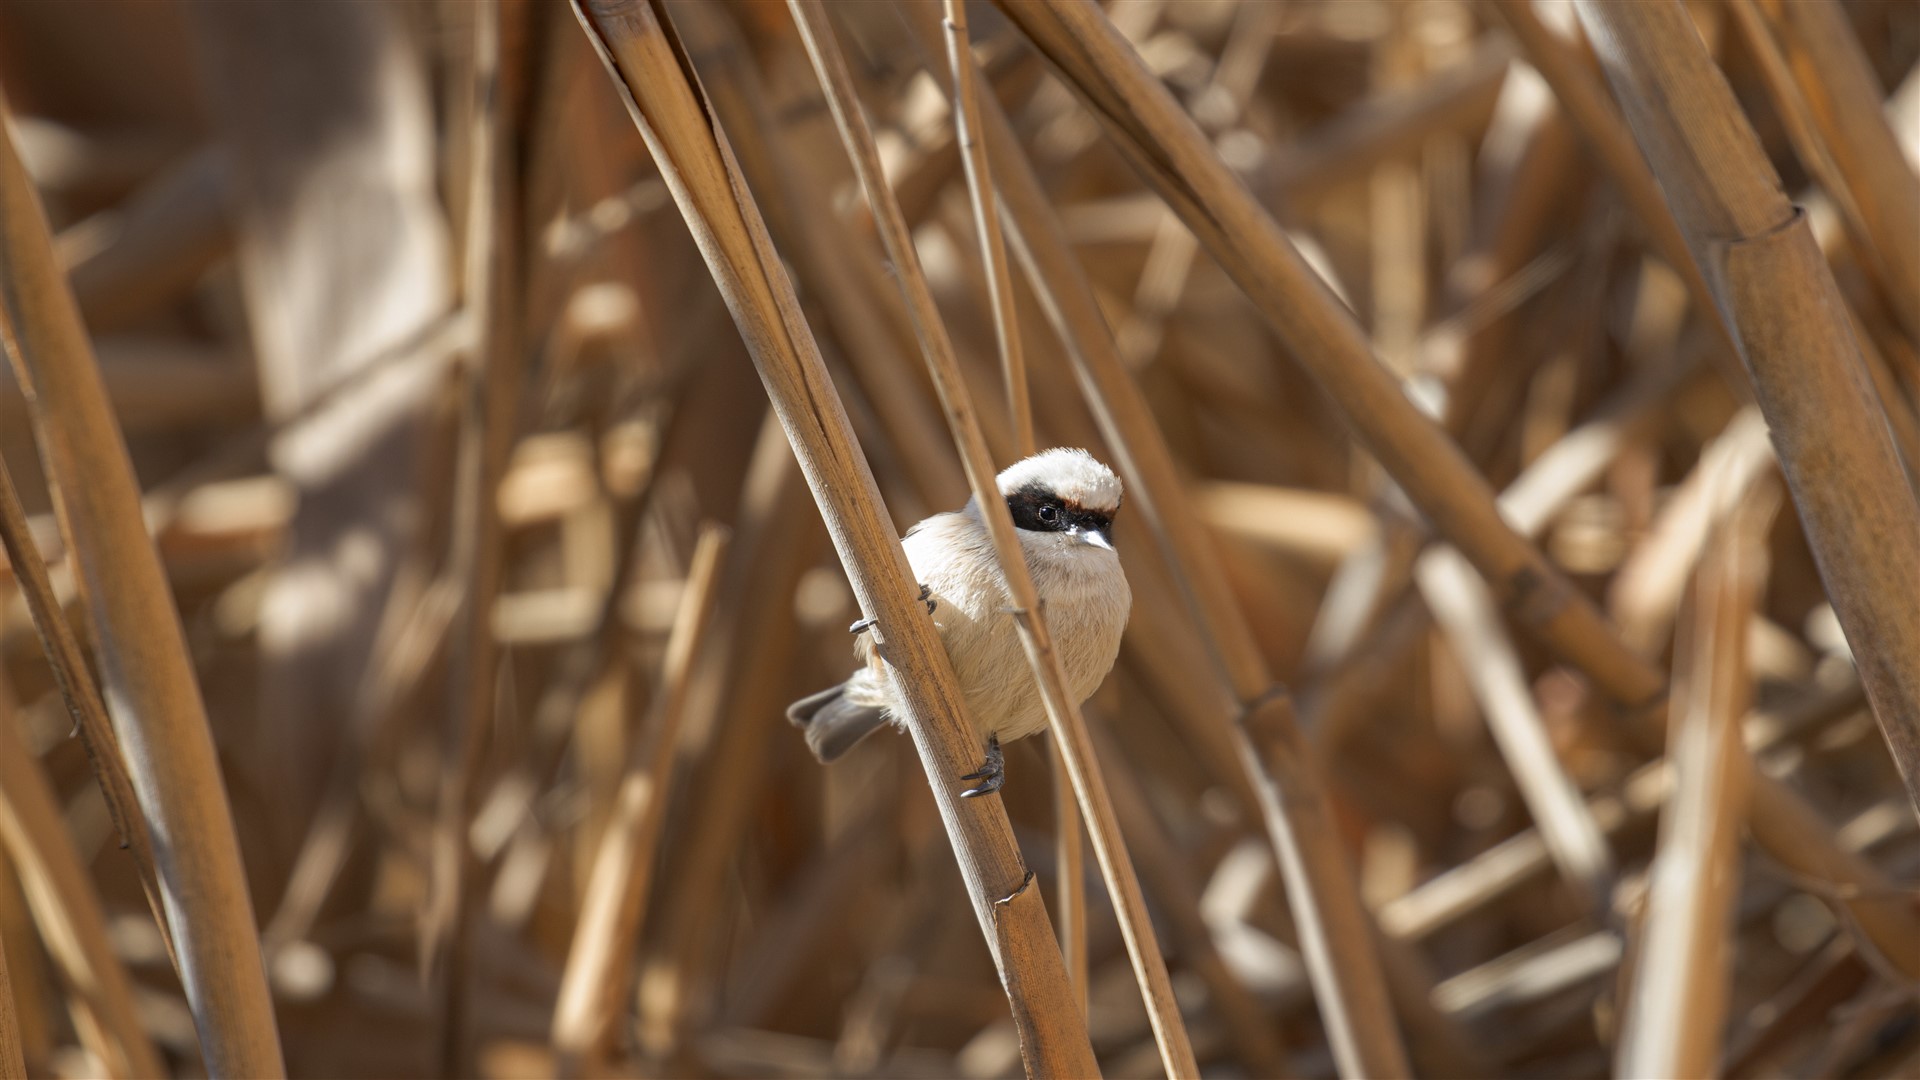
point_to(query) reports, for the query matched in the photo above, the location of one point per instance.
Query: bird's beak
(1097, 539)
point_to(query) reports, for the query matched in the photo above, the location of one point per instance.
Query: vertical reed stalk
(491, 295)
(648, 68)
(1063, 712)
(146, 671)
(1070, 858)
(1678, 1002)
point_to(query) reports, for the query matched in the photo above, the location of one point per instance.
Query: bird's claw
(861, 626)
(992, 773)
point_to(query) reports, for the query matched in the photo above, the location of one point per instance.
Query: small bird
(1062, 502)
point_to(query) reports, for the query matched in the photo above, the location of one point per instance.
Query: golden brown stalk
(145, 667)
(1679, 997)
(1290, 794)
(594, 982)
(1063, 713)
(1070, 867)
(635, 42)
(1770, 279)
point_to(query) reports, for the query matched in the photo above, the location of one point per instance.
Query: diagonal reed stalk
(1070, 854)
(1335, 936)
(146, 672)
(1063, 712)
(649, 70)
(598, 969)
(81, 695)
(1773, 285)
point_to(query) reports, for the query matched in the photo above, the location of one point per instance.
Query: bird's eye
(1049, 513)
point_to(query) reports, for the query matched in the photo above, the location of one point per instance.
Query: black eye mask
(1036, 509)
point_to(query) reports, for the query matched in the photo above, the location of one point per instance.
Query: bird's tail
(832, 723)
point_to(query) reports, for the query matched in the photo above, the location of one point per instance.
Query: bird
(1063, 503)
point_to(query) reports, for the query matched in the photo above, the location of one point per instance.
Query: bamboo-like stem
(1680, 985)
(66, 908)
(1167, 148)
(598, 969)
(1774, 286)
(486, 438)
(1063, 712)
(1839, 88)
(634, 41)
(1335, 937)
(1070, 857)
(146, 671)
(81, 695)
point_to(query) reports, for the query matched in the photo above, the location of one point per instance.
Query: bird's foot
(992, 773)
(861, 626)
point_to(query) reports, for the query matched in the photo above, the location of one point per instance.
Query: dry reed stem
(81, 695)
(598, 969)
(1771, 281)
(1298, 818)
(1063, 712)
(1678, 1000)
(634, 42)
(1070, 853)
(147, 673)
(66, 908)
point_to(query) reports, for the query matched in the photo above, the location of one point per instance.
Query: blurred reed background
(1525, 660)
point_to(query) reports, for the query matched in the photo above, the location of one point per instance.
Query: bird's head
(1065, 492)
